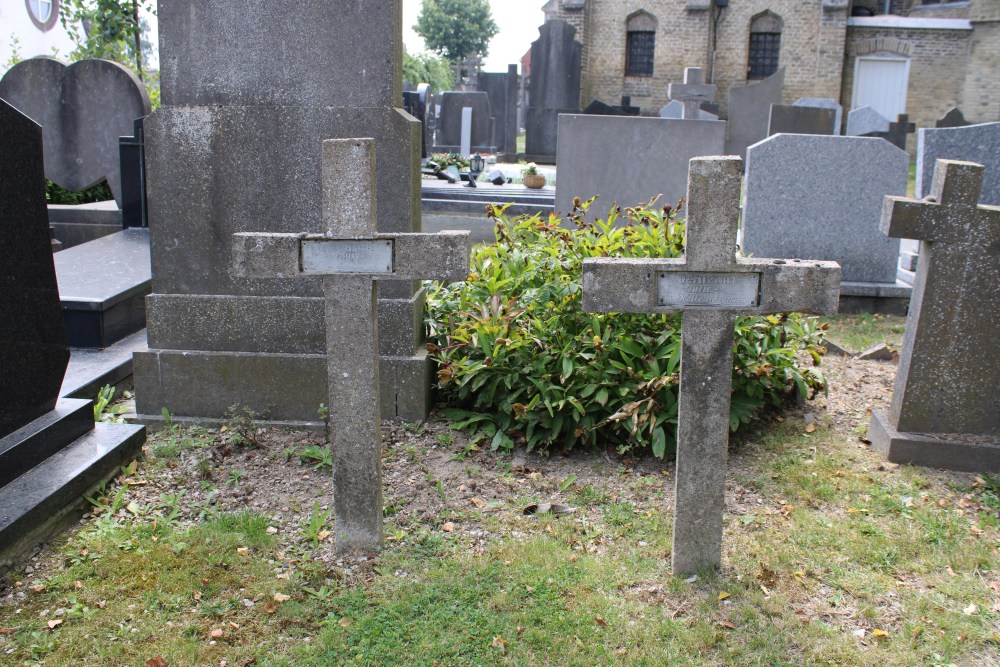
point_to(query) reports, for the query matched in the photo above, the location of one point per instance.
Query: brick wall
(981, 89)
(811, 47)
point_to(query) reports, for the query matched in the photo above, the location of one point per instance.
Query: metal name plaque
(720, 290)
(346, 256)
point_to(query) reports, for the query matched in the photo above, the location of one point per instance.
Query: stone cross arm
(442, 256)
(950, 213)
(751, 287)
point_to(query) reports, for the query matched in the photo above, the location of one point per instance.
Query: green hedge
(521, 362)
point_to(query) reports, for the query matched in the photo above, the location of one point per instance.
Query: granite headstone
(816, 197)
(691, 93)
(953, 118)
(450, 123)
(823, 103)
(629, 160)
(896, 134)
(83, 109)
(800, 120)
(675, 109)
(502, 90)
(972, 143)
(864, 120)
(33, 348)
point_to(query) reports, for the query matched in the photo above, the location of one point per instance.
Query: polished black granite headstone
(33, 348)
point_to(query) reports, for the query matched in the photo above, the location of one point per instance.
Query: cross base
(968, 454)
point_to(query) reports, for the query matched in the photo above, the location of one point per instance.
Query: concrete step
(44, 499)
(28, 446)
(103, 286)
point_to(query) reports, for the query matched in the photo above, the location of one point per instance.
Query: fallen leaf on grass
(270, 607)
(7, 631)
(281, 597)
(500, 644)
(478, 503)
(810, 428)
(243, 551)
(726, 624)
(723, 596)
(970, 610)
(448, 527)
(54, 623)
(323, 535)
(600, 621)
(158, 661)
(216, 633)
(880, 634)
(859, 633)
(344, 622)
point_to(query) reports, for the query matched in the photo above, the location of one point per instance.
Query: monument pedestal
(944, 450)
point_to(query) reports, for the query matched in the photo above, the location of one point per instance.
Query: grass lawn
(862, 332)
(214, 550)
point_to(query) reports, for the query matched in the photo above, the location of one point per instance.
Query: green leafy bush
(519, 359)
(56, 194)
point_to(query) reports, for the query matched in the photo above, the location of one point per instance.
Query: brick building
(900, 56)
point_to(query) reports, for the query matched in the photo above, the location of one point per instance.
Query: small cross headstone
(692, 92)
(896, 134)
(352, 257)
(711, 286)
(949, 366)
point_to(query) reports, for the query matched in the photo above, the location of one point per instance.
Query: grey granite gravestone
(351, 257)
(786, 119)
(863, 120)
(972, 143)
(896, 134)
(945, 410)
(502, 90)
(233, 149)
(83, 109)
(602, 108)
(953, 118)
(554, 88)
(692, 93)
(629, 160)
(824, 103)
(750, 110)
(449, 128)
(711, 287)
(33, 347)
(675, 109)
(817, 197)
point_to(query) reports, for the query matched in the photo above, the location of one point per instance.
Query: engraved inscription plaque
(346, 256)
(699, 288)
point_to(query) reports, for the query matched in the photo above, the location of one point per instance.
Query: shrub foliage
(520, 361)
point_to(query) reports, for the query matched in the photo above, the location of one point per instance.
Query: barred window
(640, 47)
(765, 48)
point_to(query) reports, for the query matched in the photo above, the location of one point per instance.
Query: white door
(881, 83)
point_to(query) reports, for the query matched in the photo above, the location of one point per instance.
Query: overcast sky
(518, 21)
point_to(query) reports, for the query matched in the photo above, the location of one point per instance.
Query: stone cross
(711, 286)
(896, 134)
(949, 365)
(692, 92)
(351, 257)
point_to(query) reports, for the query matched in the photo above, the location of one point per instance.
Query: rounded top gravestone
(83, 109)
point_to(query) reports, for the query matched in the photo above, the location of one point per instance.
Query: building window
(639, 60)
(640, 44)
(765, 46)
(941, 2)
(43, 13)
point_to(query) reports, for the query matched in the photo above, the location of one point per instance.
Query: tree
(428, 68)
(456, 29)
(112, 30)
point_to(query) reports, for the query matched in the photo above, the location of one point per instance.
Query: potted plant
(532, 179)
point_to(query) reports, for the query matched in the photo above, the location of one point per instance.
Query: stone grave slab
(629, 160)
(711, 287)
(807, 197)
(350, 257)
(450, 123)
(502, 89)
(865, 120)
(896, 134)
(945, 411)
(785, 119)
(83, 109)
(675, 109)
(749, 111)
(972, 143)
(824, 103)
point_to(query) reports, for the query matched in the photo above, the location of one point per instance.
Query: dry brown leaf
(600, 621)
(323, 535)
(723, 596)
(727, 625)
(196, 595)
(7, 631)
(54, 623)
(281, 597)
(478, 503)
(216, 633)
(448, 527)
(970, 610)
(243, 551)
(344, 622)
(879, 634)
(810, 428)
(270, 607)
(158, 661)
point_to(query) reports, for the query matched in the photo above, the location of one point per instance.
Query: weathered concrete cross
(711, 287)
(352, 257)
(950, 359)
(692, 92)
